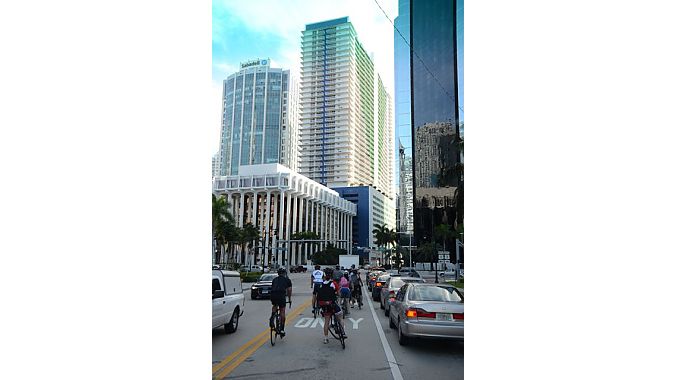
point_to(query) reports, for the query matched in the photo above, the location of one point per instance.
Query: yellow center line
(251, 346)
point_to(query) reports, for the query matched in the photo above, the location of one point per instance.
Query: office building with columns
(280, 203)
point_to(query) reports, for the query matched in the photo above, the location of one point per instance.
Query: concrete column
(301, 228)
(280, 216)
(265, 225)
(240, 211)
(288, 225)
(275, 232)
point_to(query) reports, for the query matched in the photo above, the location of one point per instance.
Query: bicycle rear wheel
(273, 330)
(332, 327)
(341, 334)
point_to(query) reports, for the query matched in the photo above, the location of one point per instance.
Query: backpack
(344, 283)
(326, 293)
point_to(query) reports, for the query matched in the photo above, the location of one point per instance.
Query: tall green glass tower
(346, 128)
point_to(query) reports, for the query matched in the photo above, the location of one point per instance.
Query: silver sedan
(390, 289)
(428, 311)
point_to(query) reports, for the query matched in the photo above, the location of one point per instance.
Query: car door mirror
(218, 294)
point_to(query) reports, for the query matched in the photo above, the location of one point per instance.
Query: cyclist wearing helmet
(281, 288)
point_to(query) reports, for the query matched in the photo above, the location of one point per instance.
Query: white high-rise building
(216, 165)
(346, 128)
(259, 118)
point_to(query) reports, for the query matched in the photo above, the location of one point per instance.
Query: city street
(371, 351)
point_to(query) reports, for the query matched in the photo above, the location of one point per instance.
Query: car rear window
(268, 277)
(433, 293)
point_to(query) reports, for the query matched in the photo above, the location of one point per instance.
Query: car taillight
(460, 316)
(420, 313)
(379, 284)
(391, 293)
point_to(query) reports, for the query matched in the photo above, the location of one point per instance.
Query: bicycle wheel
(341, 334)
(273, 330)
(332, 327)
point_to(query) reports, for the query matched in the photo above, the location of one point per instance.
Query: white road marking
(318, 321)
(303, 323)
(394, 367)
(355, 324)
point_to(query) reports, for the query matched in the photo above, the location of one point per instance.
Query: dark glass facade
(434, 115)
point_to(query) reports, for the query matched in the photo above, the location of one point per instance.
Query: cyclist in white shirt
(315, 283)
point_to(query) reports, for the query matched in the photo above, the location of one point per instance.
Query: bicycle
(345, 304)
(357, 297)
(336, 329)
(275, 331)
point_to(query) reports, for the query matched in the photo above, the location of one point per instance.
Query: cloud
(285, 20)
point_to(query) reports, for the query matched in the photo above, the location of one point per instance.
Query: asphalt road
(371, 352)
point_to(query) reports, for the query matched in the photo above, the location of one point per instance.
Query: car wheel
(382, 307)
(234, 322)
(252, 296)
(387, 311)
(403, 340)
(392, 325)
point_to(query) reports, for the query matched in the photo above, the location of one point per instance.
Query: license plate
(444, 317)
(264, 292)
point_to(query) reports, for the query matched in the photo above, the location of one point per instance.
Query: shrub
(250, 276)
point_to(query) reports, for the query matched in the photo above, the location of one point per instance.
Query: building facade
(259, 118)
(434, 114)
(405, 200)
(402, 118)
(280, 202)
(373, 207)
(216, 165)
(346, 130)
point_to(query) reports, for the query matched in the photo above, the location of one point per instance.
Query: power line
(417, 56)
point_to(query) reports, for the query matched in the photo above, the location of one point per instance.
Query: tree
(429, 252)
(306, 235)
(380, 234)
(221, 222)
(328, 256)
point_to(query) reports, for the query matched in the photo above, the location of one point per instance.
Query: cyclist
(356, 285)
(326, 297)
(281, 288)
(345, 293)
(316, 280)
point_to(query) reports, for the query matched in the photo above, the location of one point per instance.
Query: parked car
(298, 269)
(409, 272)
(391, 287)
(382, 279)
(253, 268)
(428, 311)
(227, 299)
(261, 289)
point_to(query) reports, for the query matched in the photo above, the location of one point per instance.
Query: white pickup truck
(227, 299)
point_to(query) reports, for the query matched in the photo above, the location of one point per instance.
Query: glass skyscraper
(434, 114)
(259, 118)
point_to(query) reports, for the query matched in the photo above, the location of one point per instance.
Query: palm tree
(220, 218)
(248, 235)
(381, 235)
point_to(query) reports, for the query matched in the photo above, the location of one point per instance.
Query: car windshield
(433, 293)
(396, 283)
(383, 278)
(267, 277)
